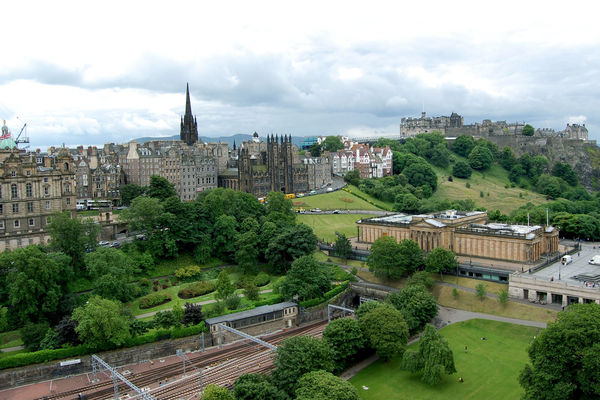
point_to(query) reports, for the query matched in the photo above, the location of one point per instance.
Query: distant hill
(238, 138)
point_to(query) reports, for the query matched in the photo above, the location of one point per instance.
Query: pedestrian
(465, 349)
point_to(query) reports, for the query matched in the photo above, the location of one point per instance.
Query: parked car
(103, 243)
(316, 210)
(335, 212)
(115, 244)
(330, 189)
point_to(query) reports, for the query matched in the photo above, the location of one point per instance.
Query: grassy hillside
(493, 185)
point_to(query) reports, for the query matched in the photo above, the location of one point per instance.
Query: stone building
(98, 176)
(466, 234)
(370, 162)
(575, 131)
(31, 192)
(413, 126)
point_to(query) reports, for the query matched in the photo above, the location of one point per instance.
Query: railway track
(219, 366)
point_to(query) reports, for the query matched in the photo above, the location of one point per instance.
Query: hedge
(196, 289)
(327, 296)
(154, 299)
(36, 357)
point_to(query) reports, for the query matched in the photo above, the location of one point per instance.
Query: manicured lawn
(491, 287)
(323, 257)
(338, 200)
(325, 225)
(10, 339)
(492, 181)
(490, 369)
(468, 301)
(384, 205)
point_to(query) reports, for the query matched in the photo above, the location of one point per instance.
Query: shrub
(144, 283)
(233, 302)
(188, 272)
(154, 299)
(420, 278)
(164, 286)
(166, 319)
(243, 282)
(251, 292)
(455, 293)
(467, 185)
(262, 279)
(354, 271)
(196, 289)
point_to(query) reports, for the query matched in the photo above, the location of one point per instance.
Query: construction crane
(25, 138)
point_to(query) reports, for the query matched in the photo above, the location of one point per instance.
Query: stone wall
(531, 288)
(135, 355)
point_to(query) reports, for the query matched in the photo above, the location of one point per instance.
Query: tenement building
(32, 187)
(466, 234)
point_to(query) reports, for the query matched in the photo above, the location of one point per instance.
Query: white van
(566, 260)
(595, 260)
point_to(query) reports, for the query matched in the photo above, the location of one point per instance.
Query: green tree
(224, 288)
(323, 385)
(297, 356)
(480, 158)
(503, 297)
(160, 188)
(407, 203)
(462, 170)
(72, 236)
(225, 236)
(144, 214)
(246, 254)
(100, 322)
(307, 278)
(251, 292)
(384, 258)
(292, 243)
(433, 359)
(345, 339)
(480, 291)
(421, 174)
(440, 260)
(32, 335)
(353, 177)
(36, 283)
(385, 330)
(528, 130)
(411, 256)
(420, 278)
(368, 306)
(566, 172)
(463, 145)
(315, 150)
(214, 392)
(256, 387)
(280, 210)
(110, 270)
(507, 158)
(343, 247)
(250, 224)
(129, 192)
(416, 304)
(332, 143)
(563, 358)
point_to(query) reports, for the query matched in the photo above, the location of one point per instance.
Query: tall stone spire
(189, 126)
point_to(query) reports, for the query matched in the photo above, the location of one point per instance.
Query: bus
(290, 196)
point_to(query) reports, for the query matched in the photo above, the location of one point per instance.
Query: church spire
(188, 104)
(189, 125)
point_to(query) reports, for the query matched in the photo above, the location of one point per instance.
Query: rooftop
(250, 313)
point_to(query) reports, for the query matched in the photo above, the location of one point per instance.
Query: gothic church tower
(189, 126)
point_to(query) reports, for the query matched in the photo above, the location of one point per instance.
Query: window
(45, 180)
(46, 190)
(13, 173)
(0, 191)
(31, 223)
(1, 209)
(1, 224)
(47, 204)
(13, 191)
(28, 173)
(17, 224)
(15, 208)
(28, 190)
(68, 201)
(30, 207)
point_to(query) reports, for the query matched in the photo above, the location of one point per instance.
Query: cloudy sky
(93, 72)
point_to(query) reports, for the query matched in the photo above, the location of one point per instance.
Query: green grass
(168, 267)
(490, 369)
(10, 339)
(492, 181)
(325, 225)
(323, 257)
(384, 205)
(11, 353)
(338, 200)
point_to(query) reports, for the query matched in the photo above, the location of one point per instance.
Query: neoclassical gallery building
(466, 234)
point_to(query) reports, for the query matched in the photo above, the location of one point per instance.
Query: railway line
(218, 366)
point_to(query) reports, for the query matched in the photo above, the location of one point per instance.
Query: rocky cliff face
(582, 155)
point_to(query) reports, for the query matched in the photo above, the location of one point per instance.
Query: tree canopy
(332, 143)
(292, 243)
(480, 158)
(528, 130)
(256, 387)
(101, 322)
(343, 247)
(160, 188)
(307, 278)
(416, 304)
(563, 358)
(72, 236)
(440, 260)
(344, 337)
(323, 385)
(297, 356)
(385, 330)
(433, 359)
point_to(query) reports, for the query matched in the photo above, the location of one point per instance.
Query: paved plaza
(567, 273)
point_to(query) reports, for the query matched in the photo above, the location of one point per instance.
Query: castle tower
(189, 126)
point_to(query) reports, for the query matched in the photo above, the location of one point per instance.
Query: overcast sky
(94, 72)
